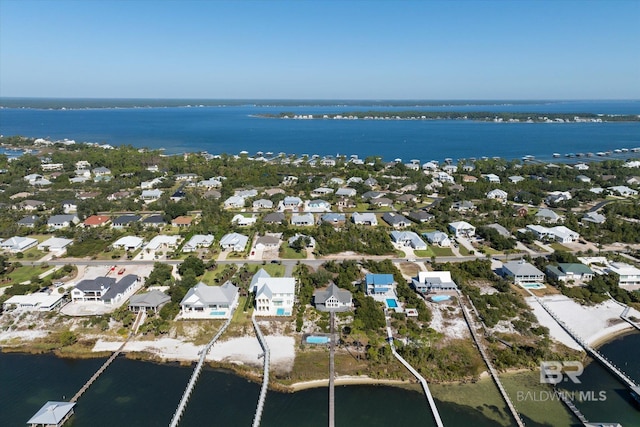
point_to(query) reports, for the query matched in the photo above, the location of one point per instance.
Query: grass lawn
(22, 274)
(210, 276)
(288, 253)
(428, 253)
(30, 254)
(463, 251)
(489, 250)
(274, 270)
(438, 251)
(558, 247)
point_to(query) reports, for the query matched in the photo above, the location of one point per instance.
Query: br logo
(553, 372)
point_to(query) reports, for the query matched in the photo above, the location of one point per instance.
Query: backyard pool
(440, 298)
(392, 303)
(317, 340)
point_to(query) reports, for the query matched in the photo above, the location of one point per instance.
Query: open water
(135, 393)
(230, 127)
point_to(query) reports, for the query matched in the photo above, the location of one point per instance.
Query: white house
(198, 241)
(628, 274)
(234, 241)
(263, 204)
(128, 243)
(623, 190)
(462, 229)
(151, 195)
(318, 206)
(491, 177)
(433, 281)
(234, 202)
(244, 221)
(346, 192)
(209, 302)
(438, 238)
(498, 194)
(145, 185)
(162, 241)
(37, 301)
(408, 238)
(275, 296)
(18, 244)
(302, 220)
(57, 222)
(56, 245)
(367, 218)
(291, 202)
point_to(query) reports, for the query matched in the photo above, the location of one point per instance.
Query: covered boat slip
(52, 414)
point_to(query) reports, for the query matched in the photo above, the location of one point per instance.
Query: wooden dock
(332, 371)
(265, 376)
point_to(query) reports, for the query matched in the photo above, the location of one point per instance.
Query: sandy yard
(449, 323)
(591, 323)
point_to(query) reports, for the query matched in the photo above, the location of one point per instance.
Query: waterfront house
(462, 229)
(379, 284)
(408, 238)
(148, 301)
(37, 301)
(209, 302)
(522, 272)
(438, 238)
(570, 271)
(91, 290)
(234, 242)
(332, 299)
(18, 244)
(198, 241)
(433, 281)
(120, 289)
(395, 220)
(274, 296)
(128, 243)
(628, 275)
(367, 218)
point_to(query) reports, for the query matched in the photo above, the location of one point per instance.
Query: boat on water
(528, 157)
(556, 155)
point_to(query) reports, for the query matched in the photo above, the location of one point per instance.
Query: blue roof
(379, 279)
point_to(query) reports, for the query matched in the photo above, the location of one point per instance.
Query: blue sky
(469, 49)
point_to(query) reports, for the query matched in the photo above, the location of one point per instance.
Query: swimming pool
(217, 313)
(317, 340)
(392, 303)
(440, 298)
(533, 285)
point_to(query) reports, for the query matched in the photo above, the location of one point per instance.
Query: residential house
(556, 197)
(594, 217)
(246, 194)
(18, 244)
(57, 222)
(491, 177)
(367, 218)
(321, 191)
(628, 275)
(147, 185)
(101, 171)
(120, 289)
(244, 221)
(162, 241)
(420, 216)
(149, 301)
(334, 218)
(500, 229)
(234, 242)
(274, 218)
(182, 221)
(151, 195)
(37, 301)
(623, 190)
(408, 238)
(318, 206)
(69, 206)
(336, 181)
(497, 194)
(462, 229)
(547, 215)
(311, 242)
(372, 195)
(96, 221)
(469, 178)
(379, 284)
(198, 241)
(345, 203)
(407, 198)
(346, 192)
(570, 271)
(381, 202)
(118, 195)
(91, 290)
(522, 272)
(155, 220)
(395, 220)
(128, 243)
(186, 177)
(275, 296)
(463, 206)
(209, 302)
(56, 245)
(583, 178)
(302, 220)
(124, 220)
(209, 183)
(438, 238)
(433, 281)
(332, 299)
(28, 221)
(267, 242)
(263, 204)
(31, 205)
(292, 202)
(514, 179)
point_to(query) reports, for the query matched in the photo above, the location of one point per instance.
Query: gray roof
(521, 268)
(126, 219)
(274, 217)
(28, 220)
(394, 218)
(321, 296)
(99, 283)
(420, 216)
(120, 287)
(152, 299)
(333, 217)
(500, 229)
(51, 413)
(59, 219)
(211, 295)
(154, 219)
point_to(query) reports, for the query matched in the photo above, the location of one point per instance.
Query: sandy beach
(595, 324)
(347, 380)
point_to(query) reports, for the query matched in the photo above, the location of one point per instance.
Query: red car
(121, 271)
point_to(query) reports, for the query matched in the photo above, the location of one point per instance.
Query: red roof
(96, 220)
